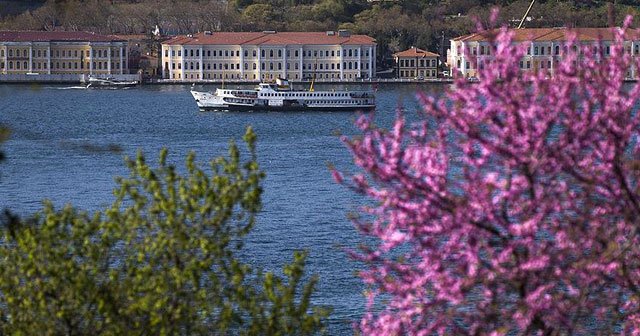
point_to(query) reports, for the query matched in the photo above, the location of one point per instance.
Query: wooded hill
(396, 25)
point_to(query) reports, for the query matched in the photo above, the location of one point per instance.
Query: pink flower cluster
(517, 213)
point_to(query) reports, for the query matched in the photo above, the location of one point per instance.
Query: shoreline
(241, 82)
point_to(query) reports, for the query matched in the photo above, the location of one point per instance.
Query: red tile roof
(270, 38)
(552, 34)
(48, 36)
(415, 52)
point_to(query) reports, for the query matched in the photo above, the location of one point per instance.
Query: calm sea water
(52, 127)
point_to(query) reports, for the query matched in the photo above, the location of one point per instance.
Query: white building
(470, 52)
(258, 56)
(53, 52)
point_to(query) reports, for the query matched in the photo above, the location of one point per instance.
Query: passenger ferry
(279, 96)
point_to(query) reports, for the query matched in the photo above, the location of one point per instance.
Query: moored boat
(109, 82)
(279, 96)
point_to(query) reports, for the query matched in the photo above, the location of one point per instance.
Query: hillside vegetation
(395, 24)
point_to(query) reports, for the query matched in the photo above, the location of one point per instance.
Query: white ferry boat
(279, 96)
(109, 82)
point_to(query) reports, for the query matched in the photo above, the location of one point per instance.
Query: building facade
(269, 55)
(470, 53)
(416, 63)
(24, 52)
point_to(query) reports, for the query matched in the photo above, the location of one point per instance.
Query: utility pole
(441, 51)
(525, 14)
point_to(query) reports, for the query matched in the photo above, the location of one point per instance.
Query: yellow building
(44, 52)
(269, 55)
(416, 63)
(471, 52)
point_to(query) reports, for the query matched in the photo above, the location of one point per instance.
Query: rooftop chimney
(344, 33)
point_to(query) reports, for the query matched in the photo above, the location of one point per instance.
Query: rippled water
(58, 151)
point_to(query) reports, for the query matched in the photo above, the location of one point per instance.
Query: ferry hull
(285, 108)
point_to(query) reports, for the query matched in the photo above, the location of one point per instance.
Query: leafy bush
(161, 260)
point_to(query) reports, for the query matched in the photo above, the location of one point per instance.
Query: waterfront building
(58, 52)
(263, 56)
(471, 52)
(415, 63)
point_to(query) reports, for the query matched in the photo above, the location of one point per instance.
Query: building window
(296, 53)
(270, 53)
(254, 66)
(226, 53)
(10, 65)
(254, 53)
(179, 66)
(279, 53)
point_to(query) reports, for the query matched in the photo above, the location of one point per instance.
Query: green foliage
(161, 260)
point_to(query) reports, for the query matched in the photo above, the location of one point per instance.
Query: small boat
(109, 82)
(279, 96)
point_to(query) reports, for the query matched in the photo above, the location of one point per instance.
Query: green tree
(161, 260)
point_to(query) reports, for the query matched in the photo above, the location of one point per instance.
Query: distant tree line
(397, 25)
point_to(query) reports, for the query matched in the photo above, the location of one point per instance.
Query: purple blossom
(539, 232)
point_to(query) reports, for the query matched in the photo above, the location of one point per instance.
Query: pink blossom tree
(512, 206)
